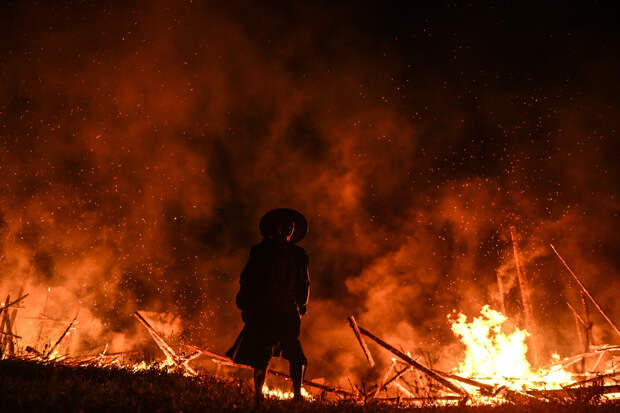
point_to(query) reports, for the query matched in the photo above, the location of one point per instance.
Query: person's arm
(303, 286)
(248, 277)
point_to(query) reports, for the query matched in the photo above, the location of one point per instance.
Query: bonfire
(495, 368)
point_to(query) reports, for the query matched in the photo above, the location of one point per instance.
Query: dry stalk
(586, 292)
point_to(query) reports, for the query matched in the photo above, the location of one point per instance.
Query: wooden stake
(588, 324)
(7, 304)
(356, 330)
(586, 292)
(51, 350)
(3, 323)
(526, 298)
(166, 349)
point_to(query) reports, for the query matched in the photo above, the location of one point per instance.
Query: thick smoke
(140, 145)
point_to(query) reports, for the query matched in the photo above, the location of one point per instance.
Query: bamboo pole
(163, 346)
(356, 330)
(166, 349)
(526, 298)
(587, 324)
(11, 324)
(8, 304)
(579, 326)
(9, 343)
(4, 340)
(51, 350)
(394, 377)
(412, 362)
(586, 292)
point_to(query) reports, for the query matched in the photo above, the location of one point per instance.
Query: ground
(29, 387)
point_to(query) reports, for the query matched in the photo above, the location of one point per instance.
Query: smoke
(141, 144)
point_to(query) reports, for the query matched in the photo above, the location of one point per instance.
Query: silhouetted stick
(163, 346)
(7, 304)
(471, 382)
(593, 379)
(585, 290)
(313, 384)
(412, 362)
(575, 391)
(421, 399)
(4, 340)
(356, 330)
(526, 297)
(394, 377)
(51, 350)
(588, 323)
(8, 340)
(167, 350)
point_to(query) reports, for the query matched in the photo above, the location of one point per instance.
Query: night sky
(141, 142)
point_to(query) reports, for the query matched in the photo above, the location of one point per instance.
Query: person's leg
(259, 380)
(297, 373)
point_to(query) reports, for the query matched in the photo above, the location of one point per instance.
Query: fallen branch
(310, 383)
(181, 362)
(10, 334)
(358, 334)
(429, 399)
(216, 358)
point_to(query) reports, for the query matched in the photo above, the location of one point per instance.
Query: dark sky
(141, 142)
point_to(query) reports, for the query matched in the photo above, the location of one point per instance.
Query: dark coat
(274, 290)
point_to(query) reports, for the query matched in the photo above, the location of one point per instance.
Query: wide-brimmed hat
(269, 223)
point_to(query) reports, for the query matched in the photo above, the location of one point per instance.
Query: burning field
(457, 164)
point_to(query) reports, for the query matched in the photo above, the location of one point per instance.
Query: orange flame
(496, 357)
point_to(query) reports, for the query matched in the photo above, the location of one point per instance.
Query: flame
(496, 357)
(165, 365)
(283, 395)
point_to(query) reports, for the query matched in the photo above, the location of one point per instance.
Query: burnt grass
(36, 387)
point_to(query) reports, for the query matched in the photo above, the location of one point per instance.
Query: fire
(282, 395)
(496, 357)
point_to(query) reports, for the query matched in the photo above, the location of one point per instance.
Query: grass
(36, 387)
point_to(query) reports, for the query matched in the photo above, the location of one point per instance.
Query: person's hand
(302, 309)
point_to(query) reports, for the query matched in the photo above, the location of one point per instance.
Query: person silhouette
(273, 295)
